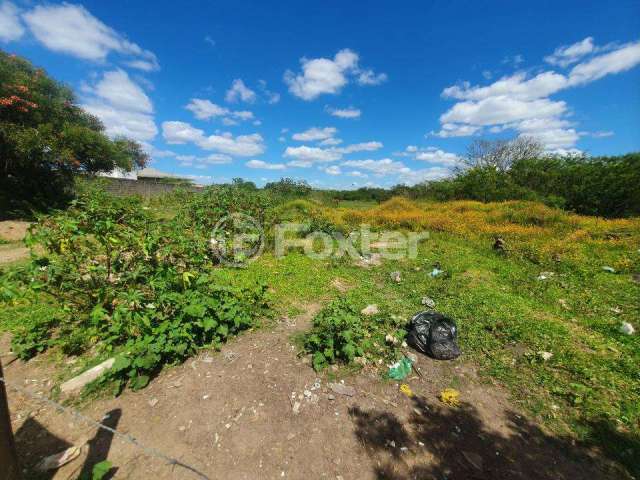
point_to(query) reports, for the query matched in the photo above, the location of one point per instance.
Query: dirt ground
(13, 231)
(232, 415)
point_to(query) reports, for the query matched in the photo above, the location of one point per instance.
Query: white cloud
(328, 76)
(333, 170)
(242, 145)
(73, 30)
(623, 58)
(121, 92)
(602, 134)
(217, 159)
(330, 142)
(344, 112)
(514, 86)
(502, 109)
(10, 25)
(239, 91)
(205, 109)
(306, 156)
(369, 77)
(181, 132)
(448, 130)
(522, 103)
(567, 54)
(432, 155)
(122, 106)
(360, 147)
(271, 97)
(383, 167)
(314, 134)
(358, 174)
(264, 165)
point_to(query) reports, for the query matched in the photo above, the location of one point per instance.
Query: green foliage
(132, 285)
(338, 334)
(288, 188)
(45, 137)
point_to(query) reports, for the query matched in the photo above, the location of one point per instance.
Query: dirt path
(231, 415)
(14, 232)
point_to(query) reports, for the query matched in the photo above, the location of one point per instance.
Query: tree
(501, 154)
(46, 138)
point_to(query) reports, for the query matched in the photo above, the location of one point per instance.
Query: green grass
(591, 385)
(505, 317)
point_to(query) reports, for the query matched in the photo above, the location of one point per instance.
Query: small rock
(182, 428)
(153, 402)
(331, 397)
(296, 408)
(342, 389)
(545, 355)
(307, 393)
(627, 328)
(369, 310)
(291, 436)
(396, 277)
(428, 302)
(391, 340)
(545, 275)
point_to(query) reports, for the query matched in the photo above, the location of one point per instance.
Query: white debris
(370, 310)
(627, 328)
(546, 355)
(391, 340)
(78, 383)
(428, 302)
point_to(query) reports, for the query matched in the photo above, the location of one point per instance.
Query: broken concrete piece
(79, 382)
(342, 389)
(53, 462)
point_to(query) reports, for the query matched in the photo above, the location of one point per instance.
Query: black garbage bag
(435, 335)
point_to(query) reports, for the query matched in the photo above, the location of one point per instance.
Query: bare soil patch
(232, 415)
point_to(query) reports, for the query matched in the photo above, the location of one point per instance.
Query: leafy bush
(337, 335)
(129, 284)
(45, 137)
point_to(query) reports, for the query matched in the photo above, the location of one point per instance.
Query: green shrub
(143, 289)
(337, 335)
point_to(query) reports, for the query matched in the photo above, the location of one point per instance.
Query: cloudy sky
(342, 94)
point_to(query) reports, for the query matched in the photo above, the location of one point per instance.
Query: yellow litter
(450, 396)
(406, 389)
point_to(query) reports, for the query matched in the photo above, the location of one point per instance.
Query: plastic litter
(450, 397)
(435, 272)
(428, 302)
(406, 389)
(627, 328)
(609, 269)
(400, 369)
(435, 335)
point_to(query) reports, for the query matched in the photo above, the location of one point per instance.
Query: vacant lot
(545, 368)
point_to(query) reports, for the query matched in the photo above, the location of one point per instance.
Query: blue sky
(342, 94)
